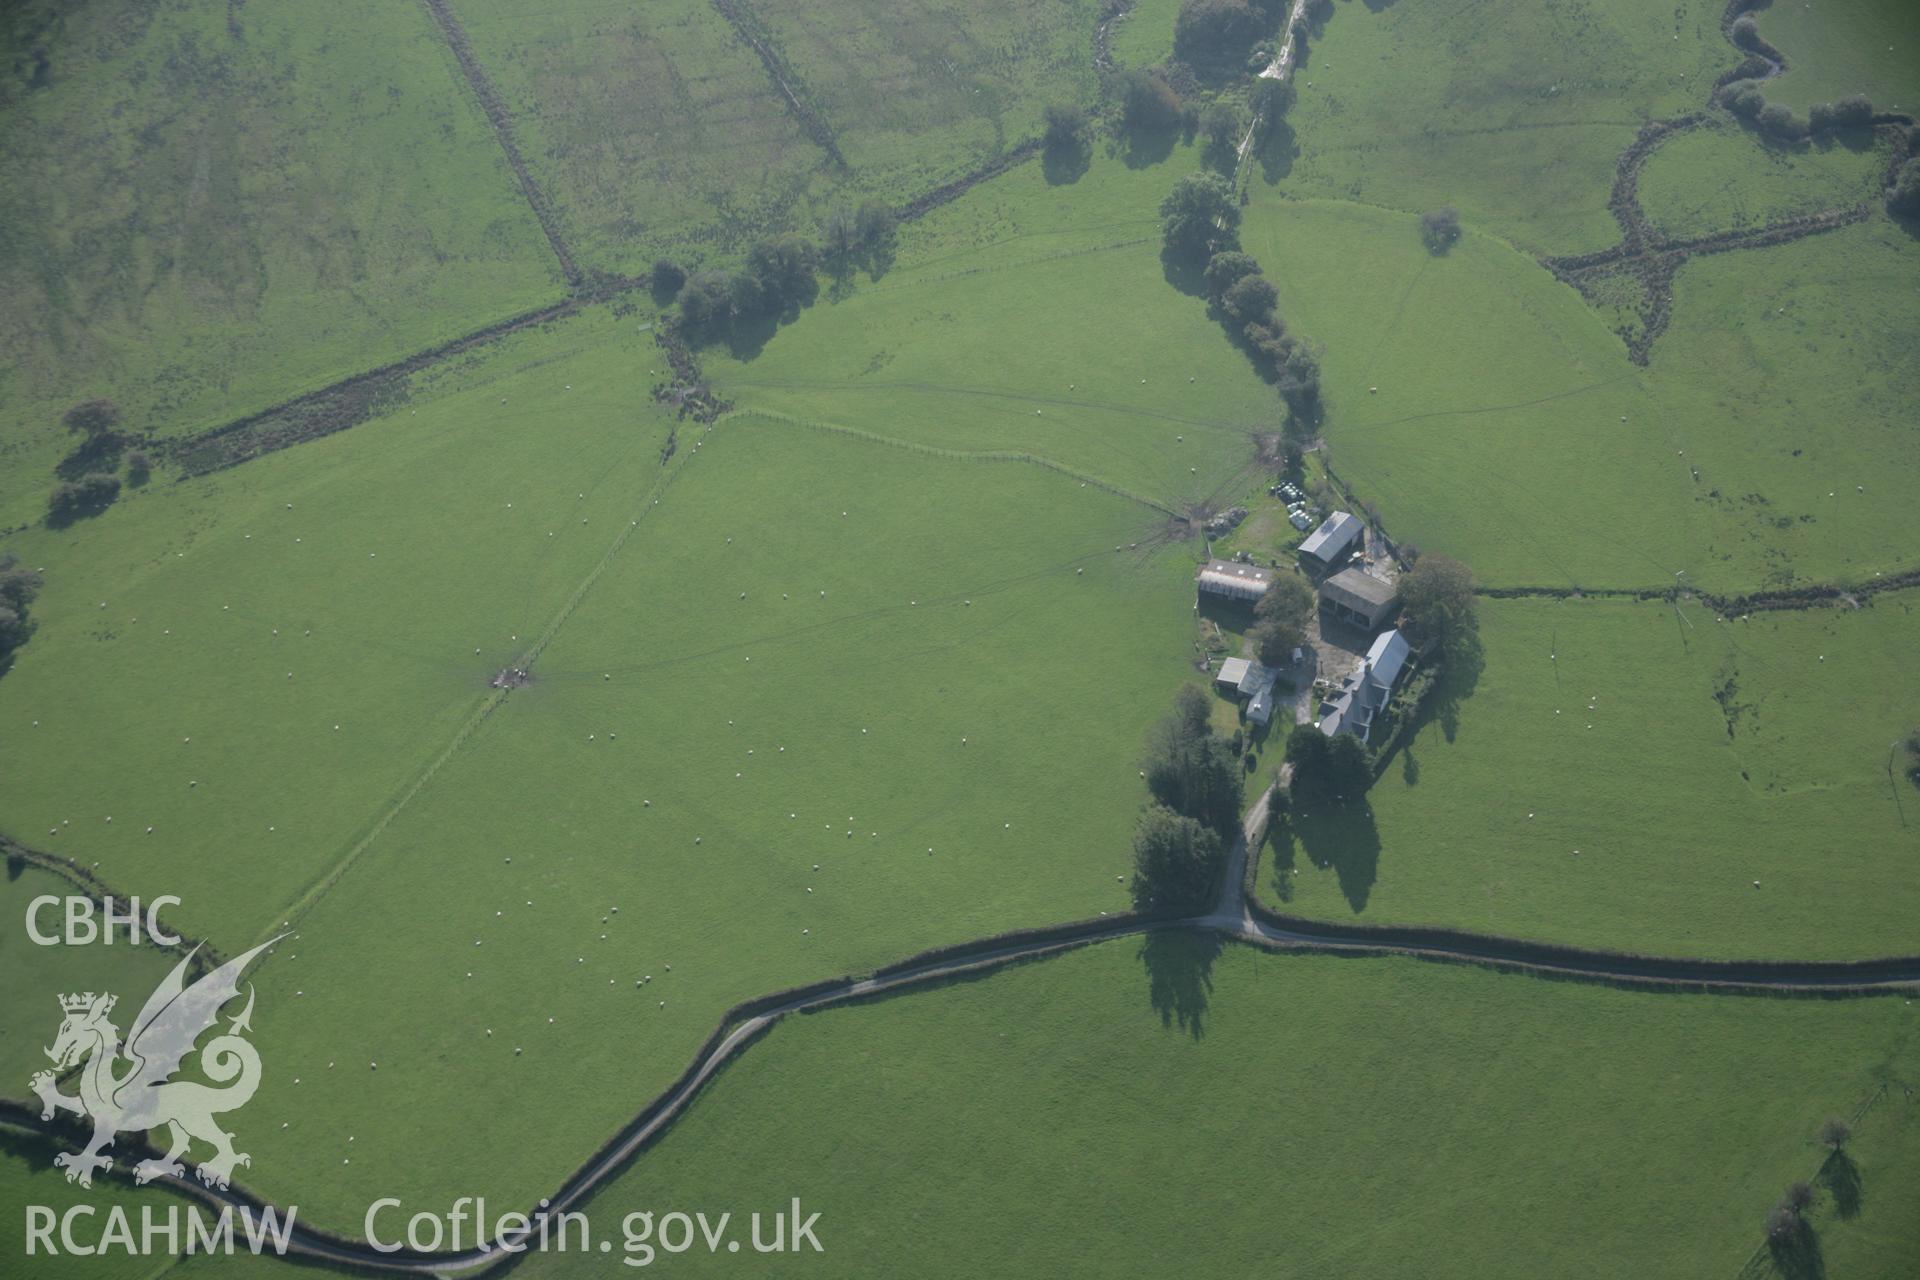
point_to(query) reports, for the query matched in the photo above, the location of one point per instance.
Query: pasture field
(1712, 755)
(652, 128)
(942, 715)
(1013, 322)
(1787, 380)
(1720, 177)
(37, 975)
(1513, 111)
(1854, 46)
(1496, 432)
(200, 641)
(1145, 36)
(658, 130)
(210, 209)
(1405, 1119)
(917, 96)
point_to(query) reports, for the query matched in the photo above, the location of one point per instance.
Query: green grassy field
(1714, 754)
(1145, 36)
(1762, 447)
(199, 643)
(659, 131)
(1722, 177)
(211, 209)
(1514, 112)
(1015, 321)
(918, 726)
(1837, 49)
(1325, 1117)
(37, 976)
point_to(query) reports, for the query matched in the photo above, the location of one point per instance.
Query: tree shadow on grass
(1797, 1256)
(1179, 966)
(1064, 166)
(1344, 838)
(1840, 1177)
(1144, 148)
(1184, 271)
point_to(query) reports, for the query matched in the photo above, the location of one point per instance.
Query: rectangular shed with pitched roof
(1358, 598)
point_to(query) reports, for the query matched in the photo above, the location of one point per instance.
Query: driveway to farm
(1233, 914)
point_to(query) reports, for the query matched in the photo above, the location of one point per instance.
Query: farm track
(502, 123)
(1233, 915)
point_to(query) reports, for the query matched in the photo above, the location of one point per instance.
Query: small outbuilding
(1232, 672)
(1234, 580)
(1329, 544)
(1358, 598)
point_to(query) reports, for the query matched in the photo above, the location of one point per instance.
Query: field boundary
(206, 957)
(502, 122)
(1236, 914)
(746, 25)
(960, 455)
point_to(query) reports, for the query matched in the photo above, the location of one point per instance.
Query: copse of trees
(1192, 770)
(776, 281)
(1439, 228)
(1327, 771)
(88, 496)
(92, 418)
(1743, 98)
(1282, 615)
(1437, 602)
(1200, 216)
(1246, 302)
(1176, 862)
(1778, 119)
(1216, 33)
(666, 279)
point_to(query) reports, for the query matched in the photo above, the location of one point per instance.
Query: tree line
(1194, 781)
(779, 276)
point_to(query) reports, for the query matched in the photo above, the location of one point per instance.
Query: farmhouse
(1326, 545)
(1364, 694)
(1235, 581)
(1358, 598)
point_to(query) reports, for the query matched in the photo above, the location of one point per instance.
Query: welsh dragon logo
(142, 1094)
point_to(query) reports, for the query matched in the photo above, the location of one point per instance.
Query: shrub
(1743, 98)
(1746, 33)
(1215, 33)
(1778, 120)
(139, 467)
(1903, 197)
(1834, 1132)
(667, 278)
(1439, 228)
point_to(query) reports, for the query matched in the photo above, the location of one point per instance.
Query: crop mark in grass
(496, 113)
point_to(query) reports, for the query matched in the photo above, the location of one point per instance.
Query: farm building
(1364, 694)
(1243, 678)
(1359, 599)
(1235, 581)
(1328, 544)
